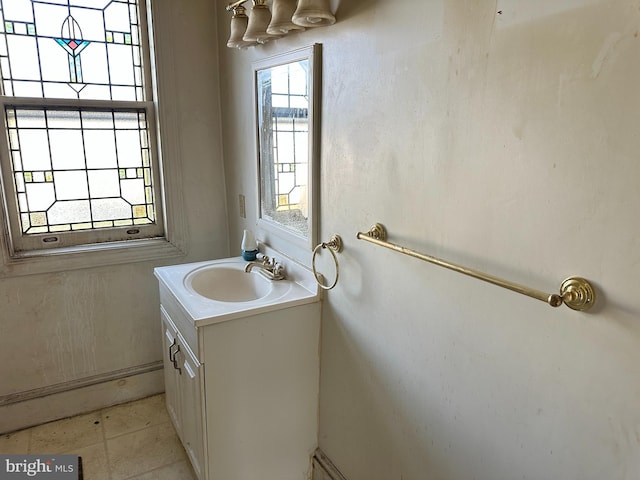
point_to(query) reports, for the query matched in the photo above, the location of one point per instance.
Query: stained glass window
(77, 168)
(71, 49)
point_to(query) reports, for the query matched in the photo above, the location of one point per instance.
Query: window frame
(161, 124)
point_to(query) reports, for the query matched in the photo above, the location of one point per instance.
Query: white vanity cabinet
(183, 391)
(243, 391)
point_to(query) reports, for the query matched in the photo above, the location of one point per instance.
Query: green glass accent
(147, 195)
(8, 27)
(127, 38)
(122, 173)
(31, 29)
(109, 37)
(147, 176)
(139, 173)
(48, 176)
(28, 177)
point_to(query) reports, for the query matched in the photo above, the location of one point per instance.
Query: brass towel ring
(334, 245)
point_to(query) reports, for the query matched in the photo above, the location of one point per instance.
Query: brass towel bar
(575, 292)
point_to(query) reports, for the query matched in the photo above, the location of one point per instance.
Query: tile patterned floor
(133, 441)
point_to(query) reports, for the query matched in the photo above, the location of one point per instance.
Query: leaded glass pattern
(78, 169)
(285, 127)
(80, 159)
(87, 49)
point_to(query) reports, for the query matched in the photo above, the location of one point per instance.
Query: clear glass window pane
(30, 119)
(67, 151)
(110, 209)
(69, 212)
(23, 55)
(128, 142)
(133, 191)
(100, 149)
(34, 149)
(40, 196)
(104, 183)
(71, 185)
(63, 119)
(18, 10)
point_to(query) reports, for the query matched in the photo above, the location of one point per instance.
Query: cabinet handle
(175, 362)
(172, 355)
(170, 347)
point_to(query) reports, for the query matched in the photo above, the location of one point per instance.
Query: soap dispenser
(249, 246)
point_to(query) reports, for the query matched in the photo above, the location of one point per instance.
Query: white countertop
(298, 289)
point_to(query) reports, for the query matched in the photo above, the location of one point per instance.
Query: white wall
(503, 141)
(61, 328)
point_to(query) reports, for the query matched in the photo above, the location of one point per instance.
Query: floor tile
(177, 471)
(133, 416)
(134, 441)
(68, 435)
(17, 442)
(138, 452)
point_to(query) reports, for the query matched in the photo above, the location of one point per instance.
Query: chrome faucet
(268, 268)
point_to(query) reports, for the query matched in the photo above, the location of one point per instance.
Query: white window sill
(88, 256)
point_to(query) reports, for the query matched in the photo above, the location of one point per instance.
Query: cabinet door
(191, 407)
(171, 375)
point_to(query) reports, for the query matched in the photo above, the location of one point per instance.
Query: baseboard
(324, 469)
(38, 406)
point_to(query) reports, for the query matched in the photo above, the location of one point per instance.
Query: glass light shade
(239, 23)
(258, 22)
(282, 11)
(313, 13)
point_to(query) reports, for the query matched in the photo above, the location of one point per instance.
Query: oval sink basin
(227, 284)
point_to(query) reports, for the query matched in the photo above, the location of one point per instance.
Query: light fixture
(313, 13)
(239, 23)
(259, 20)
(282, 11)
(260, 27)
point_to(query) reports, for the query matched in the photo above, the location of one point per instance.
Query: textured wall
(501, 135)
